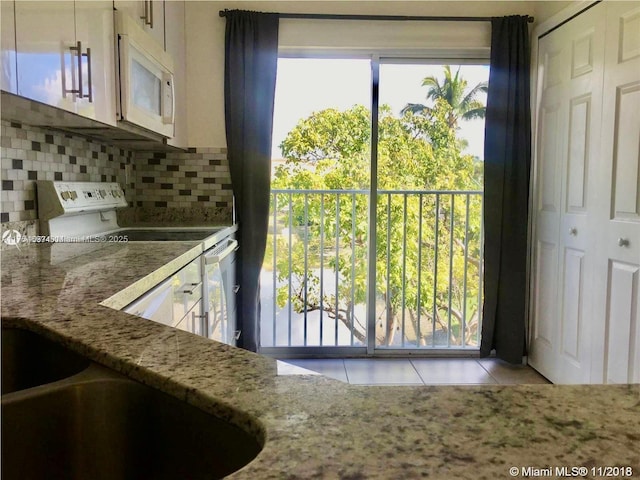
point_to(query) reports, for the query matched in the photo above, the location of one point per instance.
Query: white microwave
(145, 79)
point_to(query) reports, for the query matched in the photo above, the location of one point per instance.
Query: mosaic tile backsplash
(193, 186)
(30, 154)
(183, 179)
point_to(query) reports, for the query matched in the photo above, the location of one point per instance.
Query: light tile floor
(418, 371)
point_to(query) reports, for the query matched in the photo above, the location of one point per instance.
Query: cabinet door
(155, 305)
(187, 289)
(157, 27)
(94, 29)
(192, 321)
(148, 13)
(217, 325)
(8, 80)
(175, 46)
(47, 68)
(228, 268)
(616, 336)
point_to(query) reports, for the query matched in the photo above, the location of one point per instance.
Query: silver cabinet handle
(573, 231)
(237, 334)
(80, 69)
(623, 242)
(236, 288)
(204, 322)
(147, 16)
(189, 288)
(78, 52)
(90, 77)
(151, 13)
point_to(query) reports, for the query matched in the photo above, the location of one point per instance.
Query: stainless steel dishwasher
(220, 291)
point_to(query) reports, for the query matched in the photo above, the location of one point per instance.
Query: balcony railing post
(321, 267)
(290, 268)
(451, 231)
(275, 265)
(466, 269)
(306, 262)
(352, 307)
(435, 271)
(418, 300)
(404, 266)
(337, 306)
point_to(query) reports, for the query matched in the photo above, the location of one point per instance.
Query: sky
(305, 86)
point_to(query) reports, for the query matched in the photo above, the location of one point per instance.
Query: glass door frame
(371, 349)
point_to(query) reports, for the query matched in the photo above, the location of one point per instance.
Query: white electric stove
(85, 212)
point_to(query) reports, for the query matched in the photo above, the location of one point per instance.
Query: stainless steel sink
(100, 425)
(29, 360)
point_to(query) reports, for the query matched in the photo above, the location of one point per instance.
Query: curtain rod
(330, 16)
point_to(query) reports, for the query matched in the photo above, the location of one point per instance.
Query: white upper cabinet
(65, 56)
(149, 14)
(175, 46)
(46, 55)
(94, 30)
(8, 79)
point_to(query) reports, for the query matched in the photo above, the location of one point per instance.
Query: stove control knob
(73, 195)
(65, 195)
(103, 193)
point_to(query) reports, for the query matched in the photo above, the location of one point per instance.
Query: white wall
(545, 10)
(205, 45)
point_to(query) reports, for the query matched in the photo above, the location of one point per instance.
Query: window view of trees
(428, 221)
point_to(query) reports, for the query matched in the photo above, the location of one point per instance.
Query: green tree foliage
(418, 151)
(453, 89)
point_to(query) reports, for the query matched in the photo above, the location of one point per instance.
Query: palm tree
(464, 105)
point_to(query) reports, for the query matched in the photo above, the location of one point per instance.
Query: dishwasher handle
(216, 256)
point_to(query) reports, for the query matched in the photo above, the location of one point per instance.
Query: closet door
(616, 339)
(570, 62)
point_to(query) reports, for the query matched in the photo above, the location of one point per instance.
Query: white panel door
(552, 68)
(569, 86)
(149, 14)
(616, 340)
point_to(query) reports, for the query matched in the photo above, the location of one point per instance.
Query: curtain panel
(251, 58)
(507, 163)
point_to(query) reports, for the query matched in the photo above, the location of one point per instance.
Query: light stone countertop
(312, 426)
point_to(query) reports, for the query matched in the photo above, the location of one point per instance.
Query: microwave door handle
(167, 83)
(173, 102)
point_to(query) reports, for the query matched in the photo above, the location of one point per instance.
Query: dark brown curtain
(507, 163)
(251, 57)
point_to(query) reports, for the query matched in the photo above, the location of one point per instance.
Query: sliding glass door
(375, 240)
(314, 278)
(429, 205)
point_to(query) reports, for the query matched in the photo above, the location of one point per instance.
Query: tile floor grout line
(346, 374)
(416, 370)
(488, 372)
